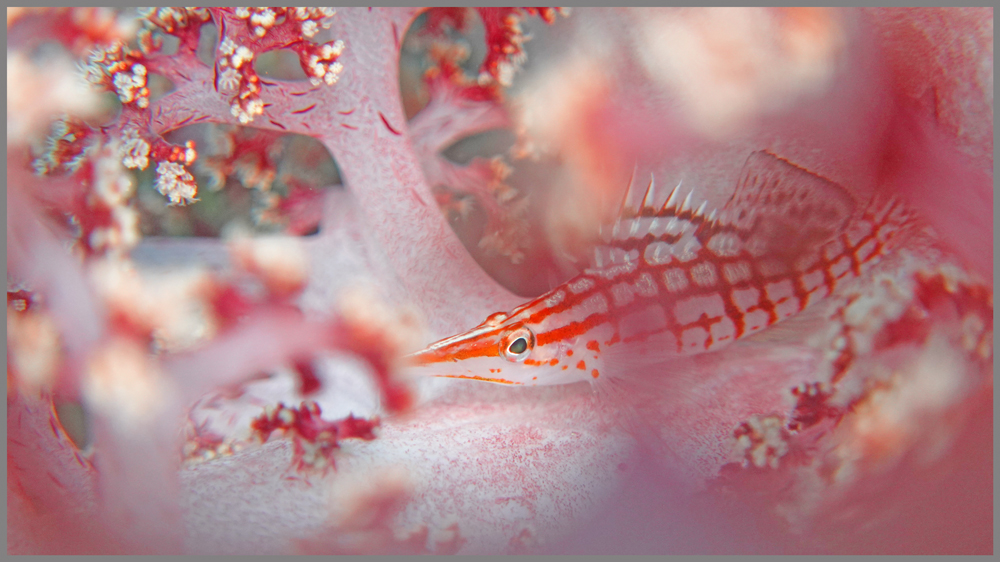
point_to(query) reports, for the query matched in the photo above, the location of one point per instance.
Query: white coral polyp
(323, 66)
(333, 73)
(134, 150)
(329, 51)
(264, 18)
(229, 80)
(246, 111)
(175, 183)
(309, 28)
(227, 47)
(242, 55)
(132, 87)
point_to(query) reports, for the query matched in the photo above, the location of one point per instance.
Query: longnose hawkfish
(671, 279)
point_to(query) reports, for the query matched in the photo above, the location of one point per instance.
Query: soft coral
(520, 467)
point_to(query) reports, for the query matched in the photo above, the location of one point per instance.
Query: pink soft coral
(485, 469)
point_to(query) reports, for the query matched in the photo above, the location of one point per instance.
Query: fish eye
(517, 344)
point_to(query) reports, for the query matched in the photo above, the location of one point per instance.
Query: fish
(670, 280)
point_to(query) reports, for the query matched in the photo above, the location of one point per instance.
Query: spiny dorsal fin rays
(701, 209)
(673, 195)
(768, 186)
(676, 216)
(782, 205)
(671, 208)
(687, 202)
(647, 201)
(646, 206)
(625, 209)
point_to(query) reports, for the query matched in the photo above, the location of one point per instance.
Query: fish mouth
(424, 358)
(453, 350)
(484, 379)
(428, 363)
(434, 363)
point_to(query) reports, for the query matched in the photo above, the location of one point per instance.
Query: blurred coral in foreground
(246, 394)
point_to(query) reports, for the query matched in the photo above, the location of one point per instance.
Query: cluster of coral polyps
(246, 395)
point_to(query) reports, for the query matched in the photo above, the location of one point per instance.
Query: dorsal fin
(627, 199)
(639, 218)
(787, 208)
(774, 186)
(783, 209)
(628, 209)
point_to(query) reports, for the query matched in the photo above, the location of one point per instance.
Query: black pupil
(518, 346)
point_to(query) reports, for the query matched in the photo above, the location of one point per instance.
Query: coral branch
(37, 258)
(434, 257)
